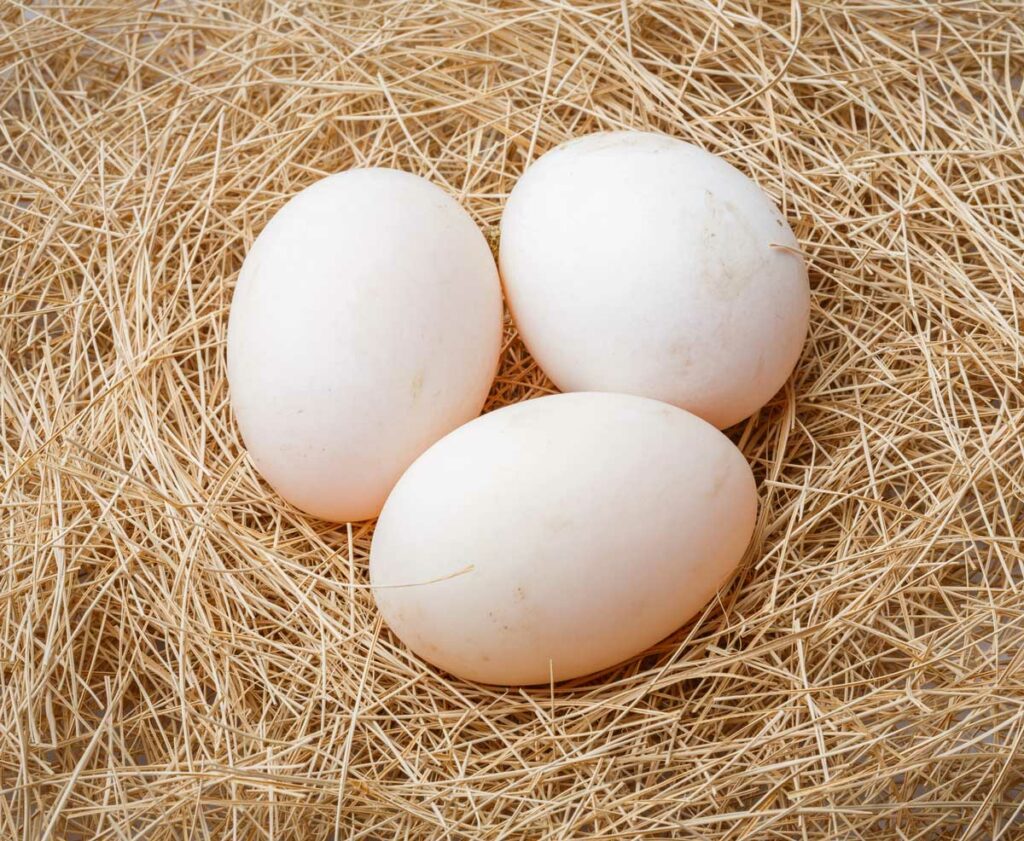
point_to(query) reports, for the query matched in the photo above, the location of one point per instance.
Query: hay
(184, 656)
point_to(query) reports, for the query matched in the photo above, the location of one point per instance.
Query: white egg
(559, 536)
(637, 263)
(366, 324)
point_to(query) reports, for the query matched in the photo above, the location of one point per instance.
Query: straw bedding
(182, 655)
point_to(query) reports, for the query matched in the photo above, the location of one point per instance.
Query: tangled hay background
(184, 656)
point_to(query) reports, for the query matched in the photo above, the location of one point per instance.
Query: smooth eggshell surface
(559, 536)
(366, 324)
(637, 263)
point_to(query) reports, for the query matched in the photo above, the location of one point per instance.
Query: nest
(183, 655)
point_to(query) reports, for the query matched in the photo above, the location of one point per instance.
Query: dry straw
(185, 657)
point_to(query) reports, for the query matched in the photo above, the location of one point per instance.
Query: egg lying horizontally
(637, 263)
(365, 325)
(559, 536)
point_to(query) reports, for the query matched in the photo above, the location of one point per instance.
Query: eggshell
(559, 536)
(366, 324)
(637, 263)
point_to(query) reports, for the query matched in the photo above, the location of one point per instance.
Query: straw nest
(185, 656)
